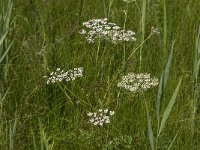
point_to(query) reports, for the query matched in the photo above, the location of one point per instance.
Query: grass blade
(165, 28)
(173, 140)
(5, 44)
(105, 9)
(143, 23)
(12, 134)
(159, 97)
(168, 66)
(2, 38)
(150, 131)
(6, 52)
(169, 107)
(109, 8)
(2, 98)
(163, 82)
(196, 84)
(197, 56)
(33, 137)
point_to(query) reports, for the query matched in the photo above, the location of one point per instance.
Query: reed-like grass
(5, 42)
(45, 36)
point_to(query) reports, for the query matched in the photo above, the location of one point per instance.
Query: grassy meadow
(39, 36)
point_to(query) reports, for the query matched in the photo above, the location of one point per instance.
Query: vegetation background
(38, 36)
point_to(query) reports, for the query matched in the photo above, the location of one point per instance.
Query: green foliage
(197, 56)
(5, 45)
(169, 108)
(45, 35)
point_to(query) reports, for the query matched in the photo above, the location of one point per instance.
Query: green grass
(42, 35)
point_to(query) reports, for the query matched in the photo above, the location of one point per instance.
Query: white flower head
(102, 29)
(59, 75)
(100, 117)
(89, 114)
(112, 113)
(137, 82)
(106, 110)
(154, 30)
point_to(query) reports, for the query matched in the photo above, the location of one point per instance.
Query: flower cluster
(100, 28)
(154, 30)
(100, 117)
(137, 82)
(59, 75)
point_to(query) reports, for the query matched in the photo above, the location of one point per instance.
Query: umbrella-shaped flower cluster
(60, 75)
(137, 82)
(101, 28)
(100, 117)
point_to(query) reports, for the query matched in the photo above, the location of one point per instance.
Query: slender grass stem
(143, 23)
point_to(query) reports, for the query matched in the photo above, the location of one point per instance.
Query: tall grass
(34, 115)
(7, 128)
(196, 83)
(5, 44)
(143, 24)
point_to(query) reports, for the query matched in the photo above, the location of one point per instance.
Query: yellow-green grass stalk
(3, 125)
(169, 108)
(162, 122)
(46, 142)
(124, 27)
(5, 44)
(33, 137)
(164, 28)
(12, 133)
(196, 82)
(109, 8)
(105, 9)
(165, 116)
(150, 130)
(143, 23)
(163, 83)
(7, 130)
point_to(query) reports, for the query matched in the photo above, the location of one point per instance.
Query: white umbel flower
(154, 30)
(100, 117)
(59, 75)
(137, 82)
(101, 28)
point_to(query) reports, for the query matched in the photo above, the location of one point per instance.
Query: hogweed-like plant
(60, 75)
(101, 28)
(100, 117)
(137, 82)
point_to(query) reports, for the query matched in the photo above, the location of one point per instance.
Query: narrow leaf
(2, 38)
(105, 9)
(2, 99)
(169, 107)
(167, 68)
(150, 131)
(196, 56)
(163, 82)
(159, 97)
(6, 52)
(173, 140)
